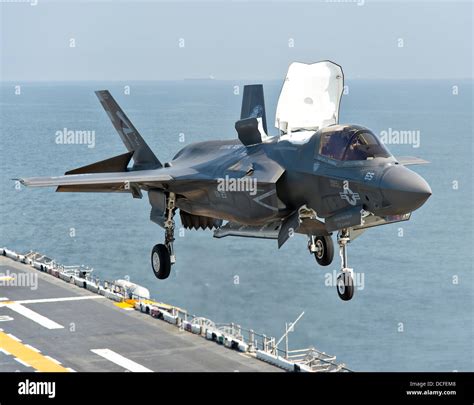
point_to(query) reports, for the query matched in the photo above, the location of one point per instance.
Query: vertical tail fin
(143, 156)
(253, 104)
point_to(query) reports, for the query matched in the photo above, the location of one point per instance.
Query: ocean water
(415, 312)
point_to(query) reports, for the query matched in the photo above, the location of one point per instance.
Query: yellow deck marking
(124, 305)
(6, 278)
(29, 356)
(160, 304)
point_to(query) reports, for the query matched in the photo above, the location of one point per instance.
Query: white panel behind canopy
(310, 96)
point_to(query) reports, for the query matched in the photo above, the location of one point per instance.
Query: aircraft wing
(411, 160)
(97, 179)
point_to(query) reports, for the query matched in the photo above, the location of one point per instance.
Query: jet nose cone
(404, 189)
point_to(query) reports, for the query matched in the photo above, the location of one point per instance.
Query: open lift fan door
(310, 96)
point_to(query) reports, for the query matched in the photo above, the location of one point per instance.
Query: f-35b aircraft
(316, 177)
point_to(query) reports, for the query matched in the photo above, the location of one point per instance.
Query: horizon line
(204, 79)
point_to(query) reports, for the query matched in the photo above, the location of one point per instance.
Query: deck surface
(61, 327)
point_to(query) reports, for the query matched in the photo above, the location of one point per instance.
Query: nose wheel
(345, 280)
(162, 255)
(345, 285)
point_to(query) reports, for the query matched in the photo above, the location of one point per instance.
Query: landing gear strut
(345, 282)
(162, 255)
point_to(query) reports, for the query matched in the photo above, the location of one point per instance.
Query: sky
(168, 40)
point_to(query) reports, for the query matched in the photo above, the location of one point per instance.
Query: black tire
(345, 286)
(325, 255)
(160, 261)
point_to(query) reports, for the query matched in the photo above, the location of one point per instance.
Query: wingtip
(20, 180)
(411, 160)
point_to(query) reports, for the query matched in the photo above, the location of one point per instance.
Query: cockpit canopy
(351, 143)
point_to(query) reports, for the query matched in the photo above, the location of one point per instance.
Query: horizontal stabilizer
(411, 160)
(116, 164)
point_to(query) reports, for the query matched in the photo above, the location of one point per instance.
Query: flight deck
(59, 318)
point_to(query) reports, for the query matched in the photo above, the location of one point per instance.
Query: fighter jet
(314, 177)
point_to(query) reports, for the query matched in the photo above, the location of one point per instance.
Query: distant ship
(200, 79)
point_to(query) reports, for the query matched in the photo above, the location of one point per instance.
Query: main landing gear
(162, 255)
(345, 281)
(323, 249)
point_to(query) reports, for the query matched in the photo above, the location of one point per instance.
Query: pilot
(354, 152)
(335, 146)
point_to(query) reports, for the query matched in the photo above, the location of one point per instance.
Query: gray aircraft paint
(289, 176)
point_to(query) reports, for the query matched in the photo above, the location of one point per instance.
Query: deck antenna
(288, 328)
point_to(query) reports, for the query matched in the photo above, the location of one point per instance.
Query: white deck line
(53, 360)
(120, 360)
(22, 362)
(33, 348)
(14, 337)
(43, 300)
(34, 316)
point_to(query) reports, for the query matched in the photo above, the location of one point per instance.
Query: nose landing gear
(345, 281)
(162, 255)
